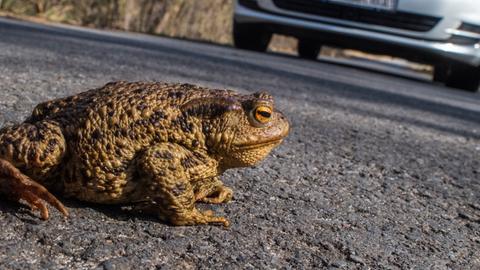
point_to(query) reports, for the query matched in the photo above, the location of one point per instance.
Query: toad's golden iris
(262, 114)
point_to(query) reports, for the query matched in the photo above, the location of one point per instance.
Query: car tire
(251, 36)
(308, 49)
(464, 77)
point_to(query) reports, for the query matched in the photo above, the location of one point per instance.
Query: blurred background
(201, 20)
(210, 21)
(429, 40)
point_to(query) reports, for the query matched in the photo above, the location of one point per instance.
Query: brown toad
(159, 147)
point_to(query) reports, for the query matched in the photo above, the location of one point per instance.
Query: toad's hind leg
(30, 150)
(169, 193)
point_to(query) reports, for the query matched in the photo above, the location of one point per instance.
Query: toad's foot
(195, 217)
(222, 195)
(18, 186)
(181, 217)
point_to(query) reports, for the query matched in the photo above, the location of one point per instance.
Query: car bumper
(300, 27)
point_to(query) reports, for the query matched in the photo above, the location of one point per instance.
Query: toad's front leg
(166, 170)
(212, 190)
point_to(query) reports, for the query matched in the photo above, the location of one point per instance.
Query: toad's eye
(262, 114)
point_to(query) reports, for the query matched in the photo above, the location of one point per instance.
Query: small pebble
(356, 259)
(339, 264)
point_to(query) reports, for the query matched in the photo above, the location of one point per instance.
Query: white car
(444, 33)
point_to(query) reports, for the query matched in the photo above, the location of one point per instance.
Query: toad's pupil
(264, 114)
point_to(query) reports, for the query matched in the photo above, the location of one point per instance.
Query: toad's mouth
(268, 139)
(259, 144)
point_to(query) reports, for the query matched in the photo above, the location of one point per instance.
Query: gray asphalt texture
(379, 172)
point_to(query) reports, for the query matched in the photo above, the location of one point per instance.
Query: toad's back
(118, 98)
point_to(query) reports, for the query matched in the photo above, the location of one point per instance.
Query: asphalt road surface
(379, 172)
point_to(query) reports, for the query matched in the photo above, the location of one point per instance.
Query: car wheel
(250, 36)
(308, 49)
(463, 77)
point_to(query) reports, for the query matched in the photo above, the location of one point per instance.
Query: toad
(159, 147)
